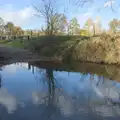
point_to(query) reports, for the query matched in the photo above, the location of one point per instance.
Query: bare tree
(114, 25)
(1, 27)
(48, 13)
(51, 17)
(81, 3)
(89, 24)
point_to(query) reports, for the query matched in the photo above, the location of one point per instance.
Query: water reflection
(7, 100)
(34, 92)
(103, 88)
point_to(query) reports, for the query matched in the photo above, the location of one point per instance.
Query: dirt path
(16, 54)
(9, 54)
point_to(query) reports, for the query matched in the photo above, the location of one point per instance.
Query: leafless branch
(51, 18)
(81, 3)
(112, 7)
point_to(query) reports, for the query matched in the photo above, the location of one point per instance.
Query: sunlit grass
(105, 49)
(16, 43)
(4, 41)
(102, 49)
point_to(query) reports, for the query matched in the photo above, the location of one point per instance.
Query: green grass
(54, 46)
(17, 44)
(100, 49)
(14, 43)
(4, 41)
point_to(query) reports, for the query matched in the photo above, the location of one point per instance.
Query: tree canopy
(114, 25)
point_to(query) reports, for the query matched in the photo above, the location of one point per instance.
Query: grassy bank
(56, 46)
(18, 43)
(100, 49)
(104, 49)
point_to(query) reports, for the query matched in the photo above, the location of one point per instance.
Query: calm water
(88, 92)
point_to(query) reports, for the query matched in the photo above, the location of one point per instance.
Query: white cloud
(97, 20)
(20, 17)
(10, 69)
(109, 3)
(8, 100)
(83, 18)
(88, 14)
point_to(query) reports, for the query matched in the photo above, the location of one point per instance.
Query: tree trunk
(94, 30)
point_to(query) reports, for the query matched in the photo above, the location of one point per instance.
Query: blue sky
(21, 12)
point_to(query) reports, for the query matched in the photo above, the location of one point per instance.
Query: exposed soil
(10, 55)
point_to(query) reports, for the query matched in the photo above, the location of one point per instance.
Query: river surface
(39, 91)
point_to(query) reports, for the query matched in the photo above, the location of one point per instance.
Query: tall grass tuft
(103, 49)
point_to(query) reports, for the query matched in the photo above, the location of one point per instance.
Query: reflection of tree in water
(51, 108)
(51, 82)
(108, 91)
(57, 101)
(45, 76)
(107, 95)
(0, 77)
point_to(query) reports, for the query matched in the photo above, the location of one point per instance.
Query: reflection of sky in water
(7, 100)
(22, 82)
(73, 83)
(19, 82)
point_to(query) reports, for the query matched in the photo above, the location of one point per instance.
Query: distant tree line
(10, 31)
(56, 24)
